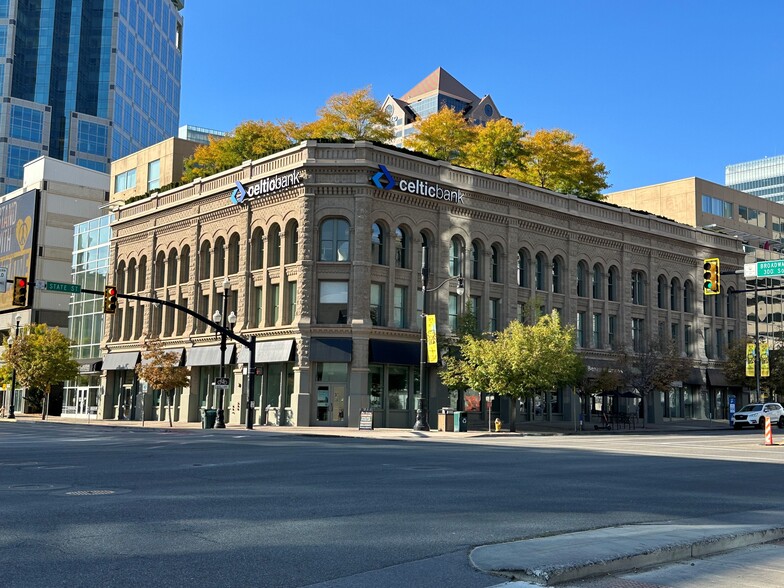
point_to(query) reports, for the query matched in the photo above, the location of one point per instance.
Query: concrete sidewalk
(574, 556)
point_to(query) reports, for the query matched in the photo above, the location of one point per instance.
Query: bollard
(768, 432)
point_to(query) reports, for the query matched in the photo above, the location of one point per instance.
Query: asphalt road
(100, 506)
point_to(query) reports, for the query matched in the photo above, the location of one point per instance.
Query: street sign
(58, 287)
(221, 381)
(766, 269)
(3, 278)
(749, 270)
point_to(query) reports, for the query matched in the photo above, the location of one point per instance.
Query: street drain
(89, 492)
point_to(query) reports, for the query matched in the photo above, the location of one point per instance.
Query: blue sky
(659, 89)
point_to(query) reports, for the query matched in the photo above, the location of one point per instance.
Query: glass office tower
(86, 81)
(762, 177)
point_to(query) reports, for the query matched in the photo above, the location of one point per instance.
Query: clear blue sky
(659, 89)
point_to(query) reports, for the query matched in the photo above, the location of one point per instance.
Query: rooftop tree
(355, 116)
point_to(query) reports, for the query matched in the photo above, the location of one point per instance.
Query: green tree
(497, 148)
(444, 135)
(41, 357)
(519, 362)
(250, 140)
(734, 366)
(356, 116)
(555, 162)
(161, 370)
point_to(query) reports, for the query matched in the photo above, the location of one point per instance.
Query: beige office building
(321, 247)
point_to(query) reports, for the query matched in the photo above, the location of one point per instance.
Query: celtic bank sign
(383, 180)
(266, 186)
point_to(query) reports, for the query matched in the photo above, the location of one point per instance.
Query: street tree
(518, 362)
(355, 116)
(734, 369)
(654, 369)
(554, 161)
(250, 140)
(445, 135)
(497, 147)
(41, 357)
(161, 370)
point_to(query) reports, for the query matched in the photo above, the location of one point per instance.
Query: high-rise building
(762, 177)
(86, 82)
(438, 90)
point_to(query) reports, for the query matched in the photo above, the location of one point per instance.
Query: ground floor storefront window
(393, 392)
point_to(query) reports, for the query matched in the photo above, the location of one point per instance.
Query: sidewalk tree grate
(89, 492)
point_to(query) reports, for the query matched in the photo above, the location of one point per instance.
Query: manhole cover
(89, 492)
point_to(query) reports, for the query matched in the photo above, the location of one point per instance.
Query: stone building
(321, 248)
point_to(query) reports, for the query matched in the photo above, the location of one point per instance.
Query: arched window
(401, 248)
(455, 257)
(675, 290)
(541, 263)
(160, 266)
(598, 281)
(730, 302)
(274, 246)
(185, 265)
(334, 240)
(638, 287)
(121, 276)
(557, 284)
(234, 254)
(613, 284)
(130, 280)
(204, 261)
(661, 292)
(376, 244)
(425, 250)
(582, 279)
(495, 264)
(171, 268)
(257, 249)
(476, 260)
(523, 263)
(219, 254)
(142, 274)
(292, 242)
(688, 296)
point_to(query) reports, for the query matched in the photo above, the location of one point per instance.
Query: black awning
(394, 352)
(695, 377)
(717, 378)
(324, 349)
(121, 361)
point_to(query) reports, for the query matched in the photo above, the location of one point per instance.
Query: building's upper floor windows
(752, 216)
(613, 283)
(93, 138)
(27, 124)
(717, 206)
(125, 180)
(495, 263)
(401, 248)
(154, 175)
(334, 240)
(638, 287)
(523, 263)
(455, 257)
(582, 279)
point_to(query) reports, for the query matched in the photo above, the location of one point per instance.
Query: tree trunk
(169, 398)
(46, 406)
(513, 415)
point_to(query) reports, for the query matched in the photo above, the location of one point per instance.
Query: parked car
(752, 414)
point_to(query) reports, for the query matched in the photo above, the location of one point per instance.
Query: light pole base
(421, 421)
(220, 423)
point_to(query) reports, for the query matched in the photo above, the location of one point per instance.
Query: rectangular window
(720, 345)
(494, 310)
(17, 157)
(638, 333)
(675, 335)
(580, 329)
(476, 307)
(154, 175)
(275, 303)
(453, 312)
(706, 332)
(377, 304)
(400, 310)
(333, 303)
(258, 299)
(27, 124)
(596, 330)
(688, 341)
(292, 310)
(125, 180)
(92, 138)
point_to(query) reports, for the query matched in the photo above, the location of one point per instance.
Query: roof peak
(442, 81)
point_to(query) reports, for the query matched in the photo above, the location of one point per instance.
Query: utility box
(461, 421)
(208, 417)
(446, 420)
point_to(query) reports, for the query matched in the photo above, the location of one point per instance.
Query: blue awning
(395, 352)
(331, 350)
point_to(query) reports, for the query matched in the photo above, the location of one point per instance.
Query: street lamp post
(218, 317)
(11, 414)
(421, 423)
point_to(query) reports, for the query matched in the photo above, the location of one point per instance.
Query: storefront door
(82, 404)
(331, 405)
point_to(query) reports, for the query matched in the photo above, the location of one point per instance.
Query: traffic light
(20, 292)
(109, 300)
(711, 284)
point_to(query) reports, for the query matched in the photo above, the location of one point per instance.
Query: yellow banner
(750, 360)
(764, 363)
(432, 347)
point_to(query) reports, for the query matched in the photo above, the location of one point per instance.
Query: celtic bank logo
(238, 194)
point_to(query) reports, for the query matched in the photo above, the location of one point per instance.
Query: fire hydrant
(497, 425)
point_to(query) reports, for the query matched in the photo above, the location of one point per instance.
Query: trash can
(446, 420)
(461, 422)
(208, 417)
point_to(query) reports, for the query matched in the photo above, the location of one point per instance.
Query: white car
(752, 415)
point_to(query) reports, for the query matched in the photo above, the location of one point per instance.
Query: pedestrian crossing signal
(109, 300)
(20, 292)
(710, 277)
